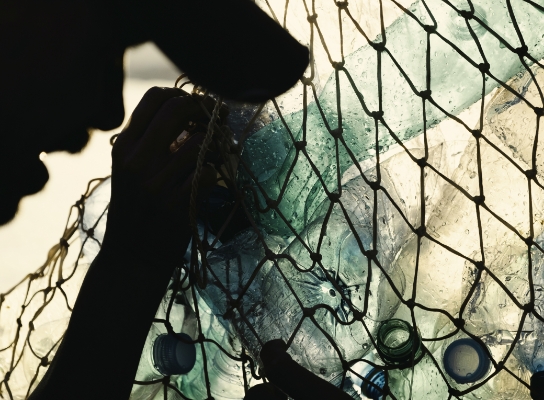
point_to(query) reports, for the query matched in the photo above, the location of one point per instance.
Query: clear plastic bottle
(225, 375)
(375, 378)
(257, 290)
(167, 353)
(530, 348)
(455, 85)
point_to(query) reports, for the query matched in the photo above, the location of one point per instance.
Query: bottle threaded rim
(398, 343)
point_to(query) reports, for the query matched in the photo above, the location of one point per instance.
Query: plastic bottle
(530, 349)
(455, 84)
(167, 353)
(375, 378)
(411, 372)
(225, 374)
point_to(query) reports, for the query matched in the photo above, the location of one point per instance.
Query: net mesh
(399, 179)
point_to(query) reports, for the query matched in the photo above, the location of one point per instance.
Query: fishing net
(398, 180)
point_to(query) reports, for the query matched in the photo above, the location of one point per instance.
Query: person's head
(61, 72)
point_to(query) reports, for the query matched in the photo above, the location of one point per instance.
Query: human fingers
(181, 196)
(146, 109)
(179, 165)
(171, 120)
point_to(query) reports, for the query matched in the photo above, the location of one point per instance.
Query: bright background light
(40, 222)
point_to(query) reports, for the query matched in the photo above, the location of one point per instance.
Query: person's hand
(151, 186)
(146, 236)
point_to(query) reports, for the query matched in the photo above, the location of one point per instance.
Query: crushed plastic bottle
(455, 85)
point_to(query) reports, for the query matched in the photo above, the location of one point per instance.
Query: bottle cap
(377, 378)
(537, 386)
(466, 361)
(172, 356)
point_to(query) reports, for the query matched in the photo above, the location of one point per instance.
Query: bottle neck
(399, 344)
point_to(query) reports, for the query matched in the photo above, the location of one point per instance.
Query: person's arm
(146, 237)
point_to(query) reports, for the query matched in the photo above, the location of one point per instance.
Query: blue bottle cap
(377, 377)
(466, 361)
(172, 356)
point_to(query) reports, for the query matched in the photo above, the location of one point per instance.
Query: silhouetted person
(61, 74)
(61, 69)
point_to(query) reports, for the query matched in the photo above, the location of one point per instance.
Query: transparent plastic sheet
(399, 179)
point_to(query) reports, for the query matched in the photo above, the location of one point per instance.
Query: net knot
(429, 28)
(270, 254)
(539, 111)
(271, 203)
(528, 241)
(234, 303)
(410, 303)
(334, 197)
(378, 46)
(374, 185)
(245, 358)
(44, 362)
(7, 376)
(459, 323)
(530, 173)
(484, 67)
(529, 307)
(422, 162)
(421, 231)
(371, 254)
(337, 133)
(342, 4)
(90, 232)
(479, 199)
(477, 133)
(59, 282)
(521, 50)
(500, 366)
(479, 265)
(312, 18)
(466, 14)
(316, 257)
(201, 338)
(306, 81)
(308, 312)
(425, 94)
(377, 115)
(19, 323)
(31, 326)
(338, 64)
(47, 290)
(300, 145)
(358, 315)
(345, 365)
(165, 380)
(64, 243)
